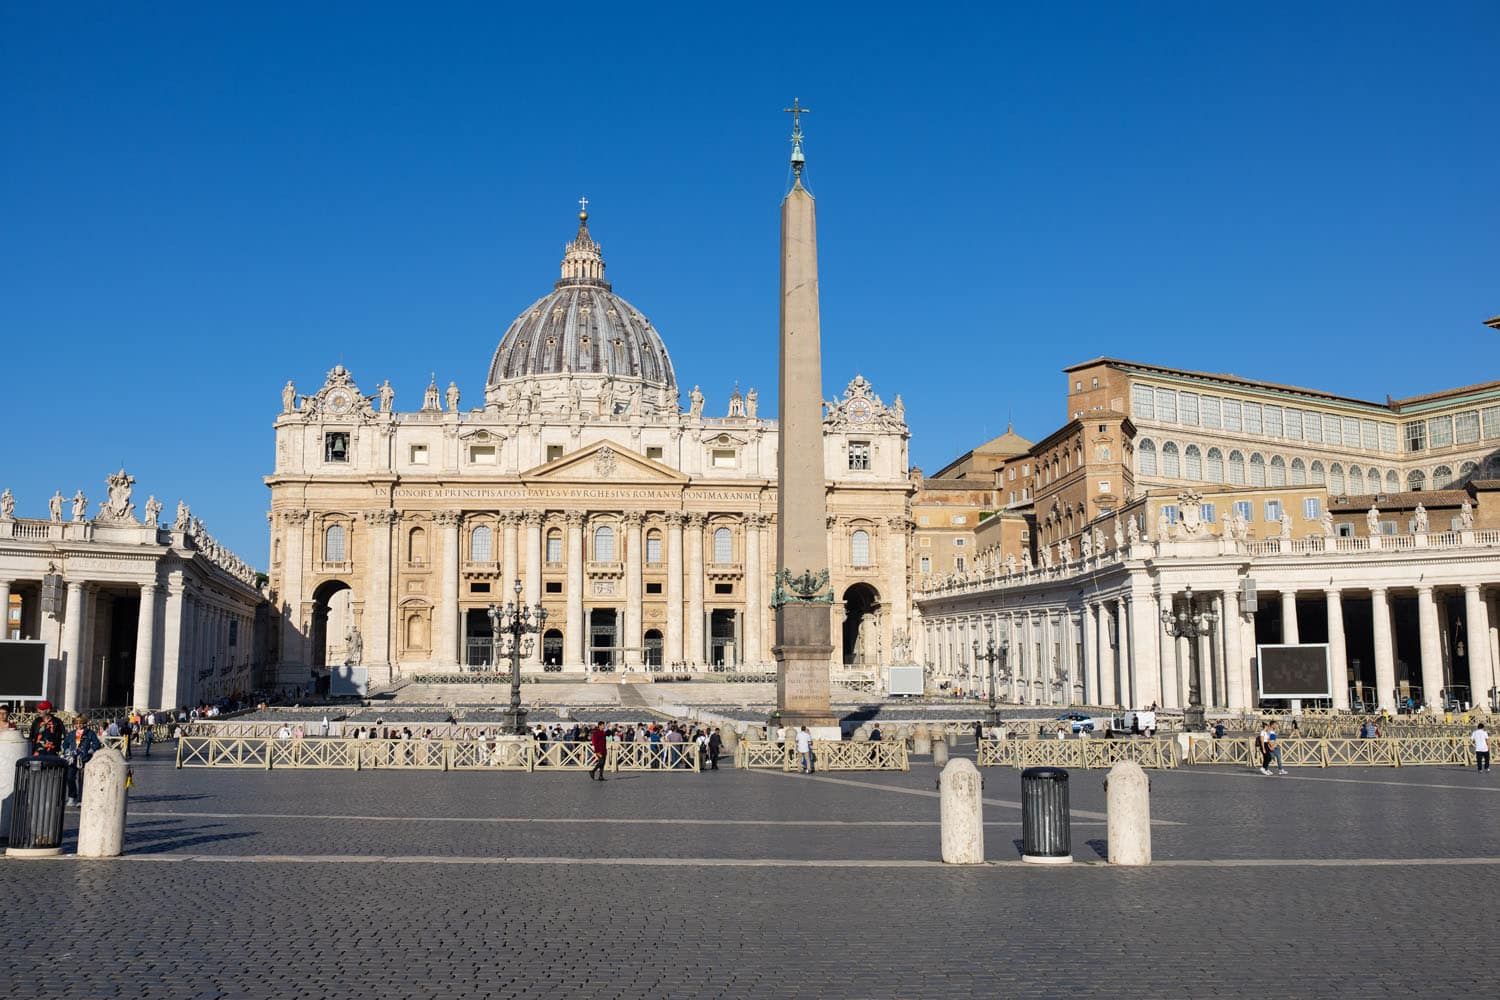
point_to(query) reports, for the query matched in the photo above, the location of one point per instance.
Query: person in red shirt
(600, 746)
(47, 732)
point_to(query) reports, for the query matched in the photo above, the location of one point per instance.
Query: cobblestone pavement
(743, 884)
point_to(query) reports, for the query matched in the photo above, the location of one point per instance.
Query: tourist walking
(79, 747)
(1263, 744)
(1481, 741)
(600, 746)
(715, 747)
(47, 732)
(804, 750)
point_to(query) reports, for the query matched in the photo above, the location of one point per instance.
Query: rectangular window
(419, 454)
(1172, 513)
(1440, 432)
(1331, 433)
(1387, 527)
(1187, 408)
(554, 452)
(723, 588)
(1416, 435)
(923, 520)
(1206, 513)
(653, 549)
(1210, 414)
(1466, 427)
(1273, 421)
(925, 542)
(482, 454)
(960, 519)
(1142, 402)
(1166, 405)
(653, 588)
(1491, 416)
(1369, 435)
(1232, 420)
(1345, 530)
(479, 588)
(1351, 432)
(1312, 508)
(859, 456)
(653, 452)
(958, 563)
(1294, 424)
(554, 587)
(723, 458)
(1314, 427)
(1252, 418)
(1245, 509)
(336, 446)
(926, 564)
(1388, 437)
(959, 543)
(1104, 486)
(554, 549)
(1273, 510)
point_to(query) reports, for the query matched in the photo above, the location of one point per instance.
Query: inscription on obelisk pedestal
(802, 597)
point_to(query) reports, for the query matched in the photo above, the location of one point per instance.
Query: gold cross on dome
(583, 205)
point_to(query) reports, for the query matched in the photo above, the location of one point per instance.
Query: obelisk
(802, 598)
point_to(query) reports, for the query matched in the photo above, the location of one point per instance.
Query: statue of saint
(898, 408)
(1119, 535)
(452, 397)
(1419, 520)
(1087, 544)
(354, 644)
(80, 506)
(1466, 516)
(7, 507)
(288, 397)
(1372, 521)
(153, 511)
(752, 403)
(184, 517)
(1286, 526)
(54, 508)
(1132, 531)
(387, 396)
(1326, 520)
(1163, 525)
(695, 397)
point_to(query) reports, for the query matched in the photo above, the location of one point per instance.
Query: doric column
(5, 609)
(694, 542)
(633, 641)
(1431, 648)
(574, 631)
(510, 572)
(532, 584)
(1236, 667)
(1145, 632)
(1338, 650)
(1108, 694)
(377, 626)
(754, 602)
(1289, 632)
(673, 652)
(73, 647)
(171, 643)
(1073, 650)
(145, 649)
(1385, 663)
(895, 575)
(448, 633)
(1481, 670)
(1090, 665)
(295, 568)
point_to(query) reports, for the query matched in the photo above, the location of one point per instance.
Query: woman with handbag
(79, 746)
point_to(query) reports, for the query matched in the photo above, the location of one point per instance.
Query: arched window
(1442, 477)
(1077, 456)
(1145, 458)
(1276, 473)
(1257, 469)
(1466, 471)
(604, 543)
(653, 548)
(1415, 480)
(1316, 475)
(1236, 469)
(1392, 482)
(859, 548)
(1171, 465)
(416, 546)
(1299, 472)
(333, 543)
(1193, 462)
(723, 545)
(1214, 471)
(1356, 480)
(276, 551)
(480, 547)
(1336, 479)
(416, 630)
(554, 546)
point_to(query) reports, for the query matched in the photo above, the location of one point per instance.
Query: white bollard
(939, 753)
(101, 822)
(921, 742)
(952, 740)
(962, 813)
(1127, 792)
(13, 747)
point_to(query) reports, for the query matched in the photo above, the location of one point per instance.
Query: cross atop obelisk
(802, 598)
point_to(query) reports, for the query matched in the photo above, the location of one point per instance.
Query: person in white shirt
(1481, 741)
(804, 750)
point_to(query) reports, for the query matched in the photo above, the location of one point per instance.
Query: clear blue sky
(199, 203)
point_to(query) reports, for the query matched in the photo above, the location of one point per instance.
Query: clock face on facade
(339, 401)
(860, 411)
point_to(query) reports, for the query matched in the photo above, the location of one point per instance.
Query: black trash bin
(1046, 836)
(36, 815)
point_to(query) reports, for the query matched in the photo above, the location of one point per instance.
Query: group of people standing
(668, 743)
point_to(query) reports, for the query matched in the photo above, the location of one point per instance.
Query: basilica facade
(644, 528)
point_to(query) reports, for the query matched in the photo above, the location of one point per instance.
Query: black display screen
(1294, 671)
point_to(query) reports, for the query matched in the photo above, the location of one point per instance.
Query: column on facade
(295, 568)
(1481, 668)
(145, 649)
(171, 643)
(1077, 657)
(1431, 647)
(896, 579)
(673, 652)
(73, 647)
(575, 633)
(633, 610)
(377, 626)
(448, 630)
(532, 579)
(694, 542)
(1385, 661)
(1289, 631)
(1089, 671)
(510, 555)
(1236, 668)
(5, 609)
(754, 628)
(1108, 653)
(1338, 650)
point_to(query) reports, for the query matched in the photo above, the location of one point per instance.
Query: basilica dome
(582, 327)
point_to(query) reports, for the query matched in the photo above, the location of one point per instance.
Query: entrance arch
(332, 618)
(862, 626)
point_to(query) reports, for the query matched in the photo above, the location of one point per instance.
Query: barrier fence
(828, 755)
(1408, 751)
(1084, 754)
(501, 754)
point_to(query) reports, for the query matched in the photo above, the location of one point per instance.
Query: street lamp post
(1186, 621)
(991, 655)
(518, 623)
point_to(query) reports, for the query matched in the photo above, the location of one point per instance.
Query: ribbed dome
(582, 327)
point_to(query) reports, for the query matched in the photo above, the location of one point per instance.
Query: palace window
(1313, 426)
(1350, 427)
(1145, 457)
(859, 548)
(1293, 428)
(1442, 477)
(1466, 427)
(1166, 405)
(1142, 402)
(1245, 509)
(1206, 513)
(723, 546)
(723, 458)
(859, 456)
(1392, 482)
(653, 548)
(482, 454)
(1232, 415)
(418, 454)
(1187, 408)
(1299, 472)
(333, 543)
(554, 452)
(1357, 480)
(1388, 438)
(480, 547)
(1252, 418)
(554, 546)
(926, 564)
(654, 453)
(1236, 468)
(1491, 417)
(416, 546)
(1369, 435)
(1312, 509)
(1214, 470)
(1210, 411)
(1336, 479)
(1257, 469)
(1193, 462)
(1416, 435)
(1273, 510)
(653, 588)
(960, 519)
(1172, 513)
(1316, 474)
(1276, 471)
(1273, 421)
(336, 446)
(604, 544)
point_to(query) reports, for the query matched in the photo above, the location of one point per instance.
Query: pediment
(602, 462)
